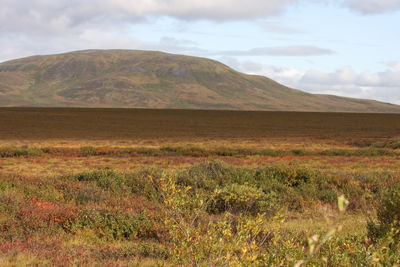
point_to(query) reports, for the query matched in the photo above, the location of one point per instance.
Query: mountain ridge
(153, 79)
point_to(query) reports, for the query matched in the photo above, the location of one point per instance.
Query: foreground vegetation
(211, 213)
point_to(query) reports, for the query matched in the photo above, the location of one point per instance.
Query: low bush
(292, 176)
(388, 215)
(237, 198)
(112, 224)
(87, 151)
(19, 152)
(105, 179)
(394, 144)
(38, 215)
(145, 182)
(205, 175)
(10, 204)
(83, 193)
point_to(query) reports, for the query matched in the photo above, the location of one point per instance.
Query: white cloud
(280, 29)
(29, 27)
(46, 16)
(383, 86)
(373, 6)
(293, 51)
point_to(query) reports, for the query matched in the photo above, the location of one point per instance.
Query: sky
(342, 47)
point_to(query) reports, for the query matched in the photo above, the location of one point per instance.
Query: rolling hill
(146, 79)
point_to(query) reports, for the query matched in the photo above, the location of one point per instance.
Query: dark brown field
(130, 124)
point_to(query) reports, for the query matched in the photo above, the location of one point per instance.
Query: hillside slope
(145, 79)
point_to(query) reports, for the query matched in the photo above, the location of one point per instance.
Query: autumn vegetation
(250, 201)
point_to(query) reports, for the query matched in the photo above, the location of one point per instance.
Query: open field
(99, 187)
(183, 125)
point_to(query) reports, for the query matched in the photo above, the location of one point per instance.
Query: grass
(190, 151)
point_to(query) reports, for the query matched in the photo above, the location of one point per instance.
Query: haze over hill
(146, 79)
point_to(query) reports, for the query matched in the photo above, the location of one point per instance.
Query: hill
(147, 79)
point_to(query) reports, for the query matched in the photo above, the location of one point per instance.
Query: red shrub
(35, 214)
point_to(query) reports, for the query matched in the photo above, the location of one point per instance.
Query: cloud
(15, 46)
(45, 17)
(345, 81)
(280, 29)
(292, 51)
(57, 25)
(54, 15)
(373, 6)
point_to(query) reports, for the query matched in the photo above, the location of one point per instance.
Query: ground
(90, 187)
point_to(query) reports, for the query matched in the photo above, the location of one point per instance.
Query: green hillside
(145, 79)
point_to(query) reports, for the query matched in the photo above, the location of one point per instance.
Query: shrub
(4, 186)
(237, 198)
(143, 151)
(226, 241)
(88, 151)
(19, 152)
(84, 193)
(388, 215)
(318, 191)
(105, 179)
(10, 204)
(37, 215)
(42, 191)
(112, 224)
(394, 144)
(292, 176)
(205, 175)
(145, 182)
(334, 152)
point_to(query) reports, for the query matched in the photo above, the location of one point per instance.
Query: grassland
(83, 187)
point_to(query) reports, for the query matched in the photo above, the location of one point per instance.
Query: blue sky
(342, 47)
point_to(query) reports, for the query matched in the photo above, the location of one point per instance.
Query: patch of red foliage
(36, 214)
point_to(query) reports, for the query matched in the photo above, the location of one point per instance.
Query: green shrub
(20, 152)
(205, 175)
(112, 224)
(335, 152)
(145, 182)
(394, 144)
(237, 198)
(4, 186)
(318, 190)
(373, 152)
(105, 179)
(292, 176)
(84, 194)
(88, 151)
(144, 151)
(298, 152)
(42, 191)
(388, 215)
(10, 202)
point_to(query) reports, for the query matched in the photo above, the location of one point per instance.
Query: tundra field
(136, 187)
